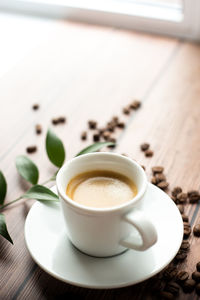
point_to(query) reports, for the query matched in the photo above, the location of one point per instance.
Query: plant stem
(21, 197)
(11, 202)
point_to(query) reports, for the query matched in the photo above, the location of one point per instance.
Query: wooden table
(90, 72)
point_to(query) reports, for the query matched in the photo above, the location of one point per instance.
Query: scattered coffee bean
(173, 288)
(181, 255)
(84, 135)
(160, 177)
(96, 137)
(126, 111)
(175, 200)
(182, 197)
(135, 104)
(153, 180)
(38, 129)
(155, 285)
(189, 285)
(182, 276)
(121, 125)
(106, 135)
(198, 266)
(185, 218)
(177, 190)
(198, 289)
(196, 276)
(115, 120)
(187, 232)
(92, 124)
(144, 146)
(31, 149)
(55, 121)
(148, 153)
(163, 185)
(35, 106)
(194, 199)
(193, 193)
(185, 245)
(143, 167)
(112, 140)
(166, 295)
(170, 273)
(180, 207)
(196, 230)
(157, 169)
(61, 119)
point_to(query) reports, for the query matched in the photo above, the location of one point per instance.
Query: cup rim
(88, 209)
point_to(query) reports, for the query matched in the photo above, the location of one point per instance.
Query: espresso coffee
(101, 189)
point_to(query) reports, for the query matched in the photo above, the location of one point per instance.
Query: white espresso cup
(110, 231)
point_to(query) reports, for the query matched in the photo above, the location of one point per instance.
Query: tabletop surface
(86, 72)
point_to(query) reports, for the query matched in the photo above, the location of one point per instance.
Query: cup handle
(145, 228)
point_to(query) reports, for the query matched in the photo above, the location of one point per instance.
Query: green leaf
(27, 169)
(3, 229)
(3, 188)
(40, 193)
(55, 149)
(95, 147)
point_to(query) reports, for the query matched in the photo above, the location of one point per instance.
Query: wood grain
(89, 72)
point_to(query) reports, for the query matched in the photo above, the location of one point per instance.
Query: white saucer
(46, 239)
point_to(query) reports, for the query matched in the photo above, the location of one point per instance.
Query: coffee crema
(101, 189)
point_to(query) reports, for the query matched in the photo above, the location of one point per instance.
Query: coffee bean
(121, 125)
(163, 185)
(110, 127)
(196, 230)
(92, 124)
(198, 266)
(155, 285)
(185, 245)
(160, 177)
(35, 106)
(182, 276)
(198, 289)
(143, 167)
(106, 135)
(187, 232)
(148, 153)
(153, 180)
(84, 135)
(194, 199)
(174, 199)
(185, 218)
(126, 110)
(182, 197)
(181, 255)
(181, 208)
(135, 104)
(31, 149)
(38, 129)
(115, 120)
(166, 295)
(170, 273)
(96, 137)
(112, 140)
(157, 169)
(193, 193)
(196, 276)
(61, 119)
(55, 121)
(189, 285)
(144, 146)
(177, 190)
(173, 288)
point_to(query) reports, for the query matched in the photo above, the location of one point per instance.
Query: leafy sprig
(28, 170)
